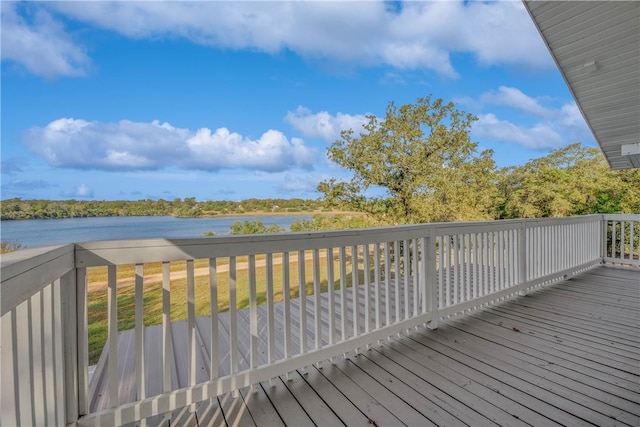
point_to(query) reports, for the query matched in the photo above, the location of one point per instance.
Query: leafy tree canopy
(421, 157)
(573, 180)
(254, 227)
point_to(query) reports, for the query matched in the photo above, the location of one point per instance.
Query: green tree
(254, 227)
(572, 180)
(421, 157)
(7, 246)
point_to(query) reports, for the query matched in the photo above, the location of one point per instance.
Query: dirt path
(203, 271)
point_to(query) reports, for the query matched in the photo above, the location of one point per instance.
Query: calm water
(33, 233)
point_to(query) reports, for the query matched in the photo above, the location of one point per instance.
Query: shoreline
(226, 215)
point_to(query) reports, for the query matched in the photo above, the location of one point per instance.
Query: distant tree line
(188, 207)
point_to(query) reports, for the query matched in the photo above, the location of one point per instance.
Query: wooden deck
(568, 354)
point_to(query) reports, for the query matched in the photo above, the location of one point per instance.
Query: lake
(34, 233)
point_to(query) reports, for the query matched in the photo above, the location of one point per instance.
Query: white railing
(386, 281)
(35, 359)
(621, 239)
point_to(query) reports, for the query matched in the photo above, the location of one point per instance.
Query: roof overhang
(596, 45)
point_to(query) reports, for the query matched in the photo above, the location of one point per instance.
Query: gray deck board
(577, 329)
(541, 412)
(286, 405)
(316, 408)
(566, 354)
(348, 413)
(615, 331)
(375, 411)
(579, 341)
(416, 381)
(379, 391)
(458, 389)
(599, 409)
(567, 368)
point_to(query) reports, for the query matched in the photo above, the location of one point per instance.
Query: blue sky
(232, 100)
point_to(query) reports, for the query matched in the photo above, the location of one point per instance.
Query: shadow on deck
(566, 354)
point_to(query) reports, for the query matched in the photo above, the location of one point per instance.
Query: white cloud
(556, 126)
(40, 45)
(82, 191)
(324, 125)
(539, 136)
(222, 149)
(300, 183)
(514, 98)
(126, 145)
(414, 35)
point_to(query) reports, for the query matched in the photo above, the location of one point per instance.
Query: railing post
(68, 300)
(83, 341)
(522, 255)
(430, 285)
(603, 238)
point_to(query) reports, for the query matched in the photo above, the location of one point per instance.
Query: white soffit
(596, 45)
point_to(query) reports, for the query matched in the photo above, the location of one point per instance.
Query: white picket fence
(388, 280)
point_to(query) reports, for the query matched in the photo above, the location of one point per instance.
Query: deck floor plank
(376, 413)
(378, 391)
(567, 368)
(604, 404)
(542, 413)
(438, 406)
(209, 413)
(535, 393)
(235, 410)
(260, 407)
(579, 341)
(487, 402)
(572, 356)
(285, 403)
(536, 386)
(453, 391)
(620, 332)
(315, 407)
(579, 330)
(344, 409)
